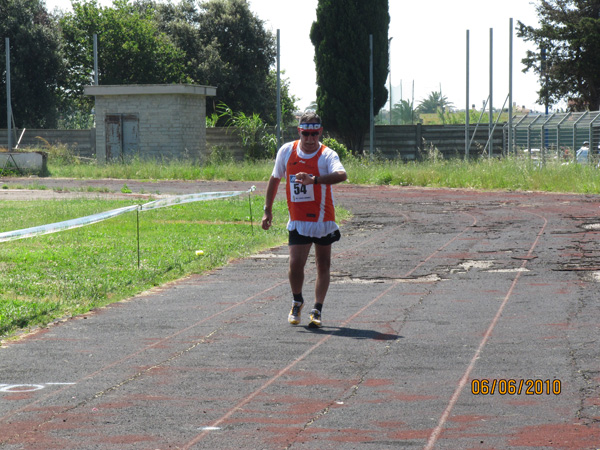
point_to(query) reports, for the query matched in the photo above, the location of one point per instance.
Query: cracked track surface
(433, 291)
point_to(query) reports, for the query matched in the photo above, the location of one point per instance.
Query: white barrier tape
(66, 225)
(94, 218)
(180, 199)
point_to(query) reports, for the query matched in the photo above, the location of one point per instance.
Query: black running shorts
(298, 239)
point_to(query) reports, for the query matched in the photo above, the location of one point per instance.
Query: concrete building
(150, 121)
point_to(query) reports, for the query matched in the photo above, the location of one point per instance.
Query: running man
(310, 169)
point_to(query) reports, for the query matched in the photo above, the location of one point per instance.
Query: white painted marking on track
(21, 387)
(13, 388)
(468, 265)
(269, 256)
(515, 270)
(592, 226)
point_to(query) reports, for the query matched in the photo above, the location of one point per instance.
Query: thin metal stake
(251, 220)
(137, 215)
(8, 103)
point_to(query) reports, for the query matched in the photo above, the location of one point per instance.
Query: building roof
(150, 89)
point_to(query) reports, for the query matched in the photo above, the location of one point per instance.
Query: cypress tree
(340, 36)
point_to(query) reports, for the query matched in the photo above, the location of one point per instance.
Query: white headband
(310, 126)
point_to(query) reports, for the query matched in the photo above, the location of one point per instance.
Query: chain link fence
(571, 136)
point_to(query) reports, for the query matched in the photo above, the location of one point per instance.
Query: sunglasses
(310, 133)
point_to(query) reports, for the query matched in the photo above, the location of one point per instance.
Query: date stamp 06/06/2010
(513, 386)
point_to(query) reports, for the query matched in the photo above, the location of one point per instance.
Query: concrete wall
(398, 141)
(81, 142)
(24, 163)
(411, 142)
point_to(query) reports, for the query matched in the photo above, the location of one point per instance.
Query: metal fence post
(371, 112)
(558, 133)
(8, 105)
(594, 143)
(575, 134)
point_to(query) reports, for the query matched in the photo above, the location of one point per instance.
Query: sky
(427, 50)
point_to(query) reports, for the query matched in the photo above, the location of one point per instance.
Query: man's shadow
(353, 333)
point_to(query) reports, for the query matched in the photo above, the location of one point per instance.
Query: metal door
(122, 136)
(131, 142)
(113, 136)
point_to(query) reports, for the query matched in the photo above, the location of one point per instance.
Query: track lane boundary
(433, 438)
(215, 424)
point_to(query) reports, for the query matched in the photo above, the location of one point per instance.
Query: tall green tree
(568, 57)
(227, 46)
(340, 36)
(36, 63)
(131, 49)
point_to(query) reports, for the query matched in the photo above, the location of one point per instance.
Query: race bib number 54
(301, 192)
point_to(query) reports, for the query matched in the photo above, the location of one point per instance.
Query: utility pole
(467, 109)
(372, 127)
(491, 105)
(8, 105)
(390, 75)
(278, 90)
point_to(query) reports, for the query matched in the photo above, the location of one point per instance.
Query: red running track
(441, 302)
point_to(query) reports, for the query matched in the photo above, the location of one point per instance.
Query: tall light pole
(510, 88)
(372, 116)
(467, 108)
(278, 89)
(390, 74)
(8, 104)
(491, 105)
(95, 59)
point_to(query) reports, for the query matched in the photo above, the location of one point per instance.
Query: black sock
(319, 306)
(298, 297)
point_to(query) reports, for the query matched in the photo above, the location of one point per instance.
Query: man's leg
(298, 257)
(323, 260)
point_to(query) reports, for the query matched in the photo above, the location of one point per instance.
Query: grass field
(505, 174)
(74, 271)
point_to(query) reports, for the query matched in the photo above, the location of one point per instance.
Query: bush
(257, 141)
(338, 147)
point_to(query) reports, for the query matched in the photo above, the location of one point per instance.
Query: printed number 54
(299, 188)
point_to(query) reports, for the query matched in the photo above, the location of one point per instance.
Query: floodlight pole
(510, 89)
(390, 74)
(95, 59)
(372, 127)
(467, 109)
(491, 118)
(278, 89)
(8, 105)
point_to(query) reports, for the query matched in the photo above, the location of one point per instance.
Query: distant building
(150, 121)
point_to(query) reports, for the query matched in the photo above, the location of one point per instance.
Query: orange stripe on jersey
(311, 202)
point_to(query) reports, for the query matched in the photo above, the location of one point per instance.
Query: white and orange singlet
(311, 206)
